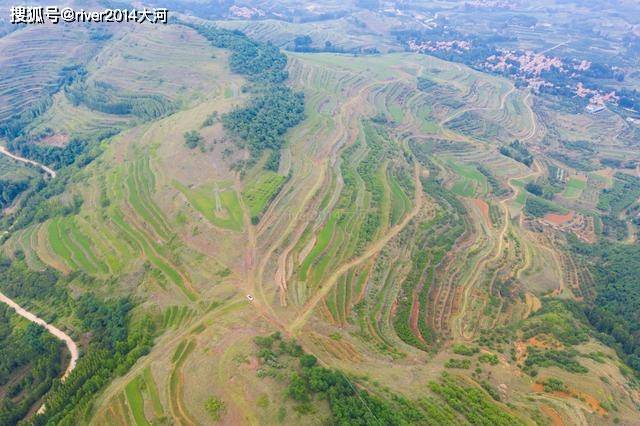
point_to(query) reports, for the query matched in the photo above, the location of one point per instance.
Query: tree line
(274, 108)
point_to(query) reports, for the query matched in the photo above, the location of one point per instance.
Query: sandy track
(71, 345)
(49, 171)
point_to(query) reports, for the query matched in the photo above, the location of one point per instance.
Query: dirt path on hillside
(71, 345)
(348, 134)
(499, 248)
(458, 113)
(326, 287)
(6, 152)
(59, 334)
(499, 243)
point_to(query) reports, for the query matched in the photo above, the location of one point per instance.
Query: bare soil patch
(556, 420)
(58, 140)
(484, 208)
(558, 219)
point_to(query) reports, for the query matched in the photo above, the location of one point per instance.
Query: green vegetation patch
(518, 151)
(625, 191)
(539, 207)
(310, 385)
(564, 359)
(193, 139)
(471, 183)
(219, 206)
(259, 192)
(215, 408)
(104, 97)
(615, 310)
(458, 363)
(498, 189)
(562, 320)
(472, 403)
(487, 358)
(274, 108)
(462, 349)
(574, 188)
(116, 341)
(476, 126)
(554, 385)
(133, 391)
(14, 180)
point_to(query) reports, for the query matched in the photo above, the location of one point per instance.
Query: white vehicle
(250, 297)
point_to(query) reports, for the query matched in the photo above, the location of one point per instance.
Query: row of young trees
(117, 343)
(104, 97)
(16, 125)
(30, 360)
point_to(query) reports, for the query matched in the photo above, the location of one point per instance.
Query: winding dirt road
(71, 345)
(48, 170)
(374, 249)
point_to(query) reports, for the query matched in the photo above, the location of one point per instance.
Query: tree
(193, 139)
(215, 407)
(308, 361)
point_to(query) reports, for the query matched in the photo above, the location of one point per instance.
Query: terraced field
(33, 62)
(393, 242)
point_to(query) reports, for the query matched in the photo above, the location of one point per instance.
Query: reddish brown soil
(413, 321)
(552, 414)
(558, 219)
(590, 400)
(521, 346)
(394, 307)
(484, 208)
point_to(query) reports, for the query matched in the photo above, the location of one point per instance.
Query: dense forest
(30, 360)
(115, 341)
(116, 345)
(518, 151)
(274, 108)
(263, 123)
(259, 62)
(615, 310)
(10, 189)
